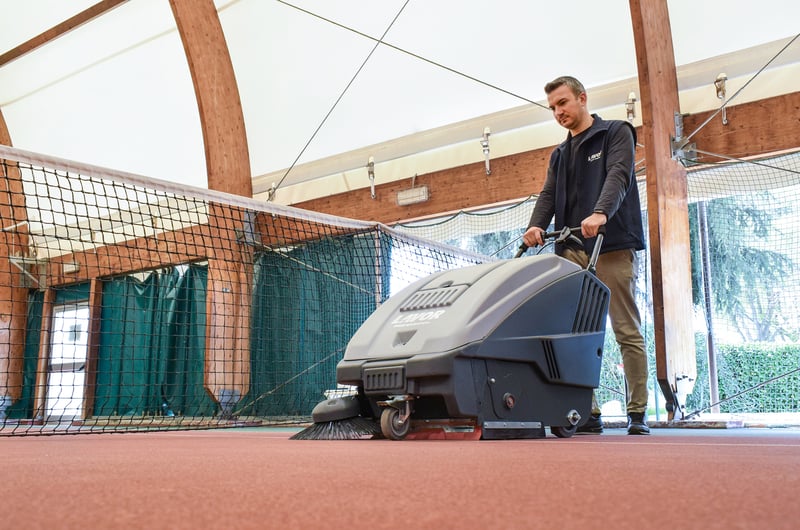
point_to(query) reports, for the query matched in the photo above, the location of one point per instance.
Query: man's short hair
(573, 84)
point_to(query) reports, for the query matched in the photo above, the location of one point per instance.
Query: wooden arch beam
(59, 30)
(13, 288)
(667, 204)
(227, 371)
(221, 116)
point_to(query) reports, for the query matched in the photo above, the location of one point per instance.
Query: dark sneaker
(593, 426)
(637, 423)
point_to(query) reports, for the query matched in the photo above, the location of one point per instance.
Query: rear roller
(563, 432)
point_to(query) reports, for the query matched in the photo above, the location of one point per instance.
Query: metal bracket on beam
(371, 175)
(22, 263)
(673, 405)
(485, 145)
(682, 151)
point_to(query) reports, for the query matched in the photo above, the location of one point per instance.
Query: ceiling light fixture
(412, 195)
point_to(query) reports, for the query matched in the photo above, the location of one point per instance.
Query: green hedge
(741, 368)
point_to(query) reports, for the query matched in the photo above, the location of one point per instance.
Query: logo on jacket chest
(595, 156)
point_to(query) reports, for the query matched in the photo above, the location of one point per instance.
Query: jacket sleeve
(620, 152)
(545, 206)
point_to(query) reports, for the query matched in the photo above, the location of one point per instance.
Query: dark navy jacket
(604, 174)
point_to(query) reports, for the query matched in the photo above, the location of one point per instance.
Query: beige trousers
(618, 270)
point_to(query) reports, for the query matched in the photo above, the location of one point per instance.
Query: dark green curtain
(23, 407)
(306, 306)
(386, 245)
(307, 303)
(183, 387)
(152, 345)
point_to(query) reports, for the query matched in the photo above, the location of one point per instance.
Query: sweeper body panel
(510, 346)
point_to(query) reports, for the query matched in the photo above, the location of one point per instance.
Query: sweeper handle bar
(559, 235)
(566, 233)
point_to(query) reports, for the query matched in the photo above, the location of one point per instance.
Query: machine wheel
(563, 432)
(391, 426)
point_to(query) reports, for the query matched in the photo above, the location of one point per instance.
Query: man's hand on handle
(533, 237)
(591, 225)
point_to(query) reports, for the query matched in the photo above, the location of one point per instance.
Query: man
(591, 183)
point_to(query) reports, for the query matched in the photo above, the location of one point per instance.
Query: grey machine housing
(515, 345)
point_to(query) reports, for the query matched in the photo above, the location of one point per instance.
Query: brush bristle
(346, 429)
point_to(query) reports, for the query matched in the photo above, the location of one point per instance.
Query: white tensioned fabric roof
(325, 85)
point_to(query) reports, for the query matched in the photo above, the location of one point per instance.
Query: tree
(503, 244)
(746, 277)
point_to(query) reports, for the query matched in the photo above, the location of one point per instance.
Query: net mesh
(134, 304)
(748, 326)
(746, 284)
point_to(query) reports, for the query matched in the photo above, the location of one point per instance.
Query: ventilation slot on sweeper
(590, 315)
(433, 298)
(550, 357)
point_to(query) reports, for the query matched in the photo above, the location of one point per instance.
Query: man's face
(568, 109)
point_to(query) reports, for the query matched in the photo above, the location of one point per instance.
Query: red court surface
(258, 478)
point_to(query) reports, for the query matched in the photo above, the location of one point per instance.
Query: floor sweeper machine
(501, 349)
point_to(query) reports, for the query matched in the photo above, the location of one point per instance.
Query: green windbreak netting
(151, 353)
(24, 406)
(293, 287)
